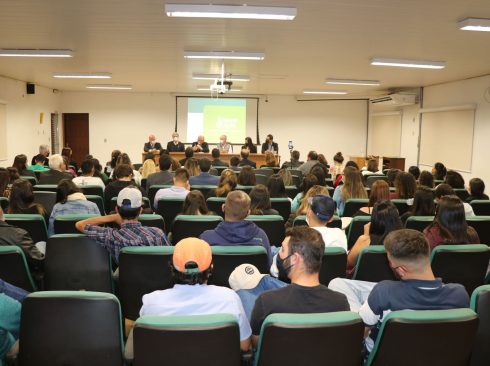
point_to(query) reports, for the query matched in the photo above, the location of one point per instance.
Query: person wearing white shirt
(191, 295)
(180, 189)
(320, 212)
(87, 178)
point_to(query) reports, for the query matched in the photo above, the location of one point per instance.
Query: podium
(259, 159)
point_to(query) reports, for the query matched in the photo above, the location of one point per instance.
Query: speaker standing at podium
(152, 145)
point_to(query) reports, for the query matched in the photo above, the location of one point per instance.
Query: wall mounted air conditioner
(394, 99)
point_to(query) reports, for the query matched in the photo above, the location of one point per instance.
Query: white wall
(24, 131)
(124, 120)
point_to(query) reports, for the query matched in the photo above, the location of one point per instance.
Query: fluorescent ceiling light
(408, 63)
(82, 75)
(331, 92)
(224, 55)
(351, 82)
(230, 11)
(208, 88)
(218, 76)
(109, 86)
(35, 53)
(475, 24)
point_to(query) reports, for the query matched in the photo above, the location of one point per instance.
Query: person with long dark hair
(246, 177)
(260, 202)
(423, 204)
(384, 220)
(405, 186)
(439, 171)
(380, 191)
(249, 145)
(195, 204)
(276, 187)
(426, 179)
(20, 163)
(309, 180)
(477, 190)
(22, 199)
(449, 225)
(69, 201)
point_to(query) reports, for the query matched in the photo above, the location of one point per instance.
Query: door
(75, 135)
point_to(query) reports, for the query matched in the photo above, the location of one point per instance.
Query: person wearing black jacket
(152, 145)
(175, 145)
(270, 145)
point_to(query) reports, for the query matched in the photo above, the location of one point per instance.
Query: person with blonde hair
(227, 183)
(352, 188)
(192, 167)
(124, 159)
(270, 160)
(149, 166)
(304, 205)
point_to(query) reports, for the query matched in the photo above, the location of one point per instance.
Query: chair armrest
(129, 349)
(247, 358)
(11, 357)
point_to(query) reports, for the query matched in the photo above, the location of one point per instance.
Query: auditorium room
(277, 182)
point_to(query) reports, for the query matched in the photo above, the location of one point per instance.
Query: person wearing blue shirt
(204, 178)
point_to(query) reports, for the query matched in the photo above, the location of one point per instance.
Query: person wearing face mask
(408, 255)
(249, 145)
(152, 145)
(299, 260)
(270, 145)
(224, 146)
(175, 145)
(320, 212)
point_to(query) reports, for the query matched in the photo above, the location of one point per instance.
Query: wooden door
(76, 135)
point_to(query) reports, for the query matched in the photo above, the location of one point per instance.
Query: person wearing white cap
(247, 281)
(130, 233)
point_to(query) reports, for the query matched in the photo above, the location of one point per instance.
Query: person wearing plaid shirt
(131, 232)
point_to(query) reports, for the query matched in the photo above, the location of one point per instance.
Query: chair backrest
(482, 226)
(65, 224)
(261, 179)
(204, 189)
(296, 181)
(264, 171)
(98, 200)
(353, 205)
(143, 183)
(283, 206)
(372, 265)
(142, 270)
(480, 303)
(314, 339)
(4, 203)
(214, 171)
(46, 198)
(71, 328)
(418, 223)
(300, 221)
(292, 191)
(152, 191)
(45, 187)
(246, 189)
(401, 205)
(185, 226)
(31, 179)
(464, 264)
(273, 225)
(462, 193)
(481, 207)
(373, 178)
(183, 340)
(296, 172)
(356, 229)
(227, 258)
(75, 262)
(334, 263)
(14, 269)
(33, 224)
(215, 203)
(436, 337)
(169, 208)
(152, 220)
(93, 190)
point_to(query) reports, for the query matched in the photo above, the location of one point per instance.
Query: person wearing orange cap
(192, 264)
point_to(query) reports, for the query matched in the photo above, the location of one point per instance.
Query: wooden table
(259, 159)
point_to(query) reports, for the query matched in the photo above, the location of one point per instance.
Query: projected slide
(215, 117)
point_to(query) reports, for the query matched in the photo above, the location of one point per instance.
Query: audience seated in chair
(260, 202)
(235, 230)
(204, 178)
(57, 171)
(444, 189)
(352, 188)
(192, 264)
(195, 204)
(294, 163)
(22, 199)
(20, 163)
(423, 204)
(179, 189)
(449, 225)
(477, 190)
(70, 201)
(87, 178)
(405, 186)
(299, 260)
(227, 183)
(309, 180)
(130, 233)
(124, 176)
(163, 176)
(44, 151)
(246, 177)
(408, 254)
(215, 153)
(310, 162)
(245, 161)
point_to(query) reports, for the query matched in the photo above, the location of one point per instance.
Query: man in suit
(152, 145)
(270, 145)
(204, 178)
(244, 154)
(163, 176)
(216, 160)
(57, 171)
(43, 150)
(175, 145)
(200, 145)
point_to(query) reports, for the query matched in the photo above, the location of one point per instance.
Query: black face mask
(282, 268)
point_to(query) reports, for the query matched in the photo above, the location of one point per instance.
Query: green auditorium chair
(353, 205)
(480, 303)
(185, 226)
(14, 268)
(273, 225)
(34, 224)
(356, 229)
(372, 265)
